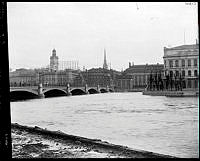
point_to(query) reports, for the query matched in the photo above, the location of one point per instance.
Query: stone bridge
(28, 92)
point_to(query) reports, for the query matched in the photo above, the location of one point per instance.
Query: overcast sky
(81, 31)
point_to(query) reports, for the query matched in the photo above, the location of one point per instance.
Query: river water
(155, 123)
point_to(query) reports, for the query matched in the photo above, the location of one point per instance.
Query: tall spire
(105, 65)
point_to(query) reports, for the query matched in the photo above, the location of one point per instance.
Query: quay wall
(187, 93)
(123, 150)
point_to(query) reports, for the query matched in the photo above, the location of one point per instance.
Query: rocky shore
(35, 142)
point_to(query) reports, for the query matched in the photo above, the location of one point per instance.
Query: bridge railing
(55, 86)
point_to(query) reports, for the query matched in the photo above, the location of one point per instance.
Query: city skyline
(81, 31)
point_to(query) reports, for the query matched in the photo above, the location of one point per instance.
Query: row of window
(183, 73)
(186, 84)
(171, 64)
(137, 80)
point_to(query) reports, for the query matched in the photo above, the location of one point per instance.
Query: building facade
(183, 61)
(100, 76)
(53, 61)
(59, 78)
(97, 76)
(137, 76)
(23, 77)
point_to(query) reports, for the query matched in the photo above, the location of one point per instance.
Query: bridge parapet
(41, 91)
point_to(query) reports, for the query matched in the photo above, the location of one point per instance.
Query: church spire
(105, 65)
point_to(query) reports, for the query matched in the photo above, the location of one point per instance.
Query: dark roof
(98, 70)
(144, 68)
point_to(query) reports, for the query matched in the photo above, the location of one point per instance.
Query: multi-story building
(97, 76)
(100, 76)
(23, 77)
(137, 76)
(183, 61)
(59, 78)
(53, 61)
(78, 80)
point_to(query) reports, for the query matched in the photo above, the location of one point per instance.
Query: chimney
(129, 64)
(132, 63)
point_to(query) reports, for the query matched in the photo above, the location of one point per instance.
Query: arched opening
(183, 73)
(177, 73)
(195, 73)
(22, 95)
(92, 91)
(189, 73)
(184, 84)
(55, 93)
(77, 92)
(103, 90)
(171, 74)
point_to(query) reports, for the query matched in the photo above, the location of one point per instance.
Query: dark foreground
(35, 142)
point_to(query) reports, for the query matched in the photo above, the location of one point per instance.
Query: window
(195, 62)
(177, 73)
(189, 73)
(195, 73)
(176, 63)
(189, 63)
(183, 63)
(171, 63)
(183, 73)
(165, 73)
(171, 73)
(184, 84)
(189, 84)
(165, 64)
(196, 84)
(144, 79)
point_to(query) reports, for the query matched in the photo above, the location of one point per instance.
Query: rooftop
(144, 68)
(183, 47)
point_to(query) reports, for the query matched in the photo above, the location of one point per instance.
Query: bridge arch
(77, 91)
(92, 91)
(103, 90)
(54, 92)
(22, 94)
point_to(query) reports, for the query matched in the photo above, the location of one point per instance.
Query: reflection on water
(156, 123)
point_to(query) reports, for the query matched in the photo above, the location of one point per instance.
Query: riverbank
(35, 142)
(172, 93)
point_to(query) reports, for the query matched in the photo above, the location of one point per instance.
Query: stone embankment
(35, 142)
(172, 93)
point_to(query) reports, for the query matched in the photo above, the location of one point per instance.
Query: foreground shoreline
(35, 142)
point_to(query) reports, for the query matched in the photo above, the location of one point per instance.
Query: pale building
(183, 61)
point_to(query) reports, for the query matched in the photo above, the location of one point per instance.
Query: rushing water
(155, 123)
